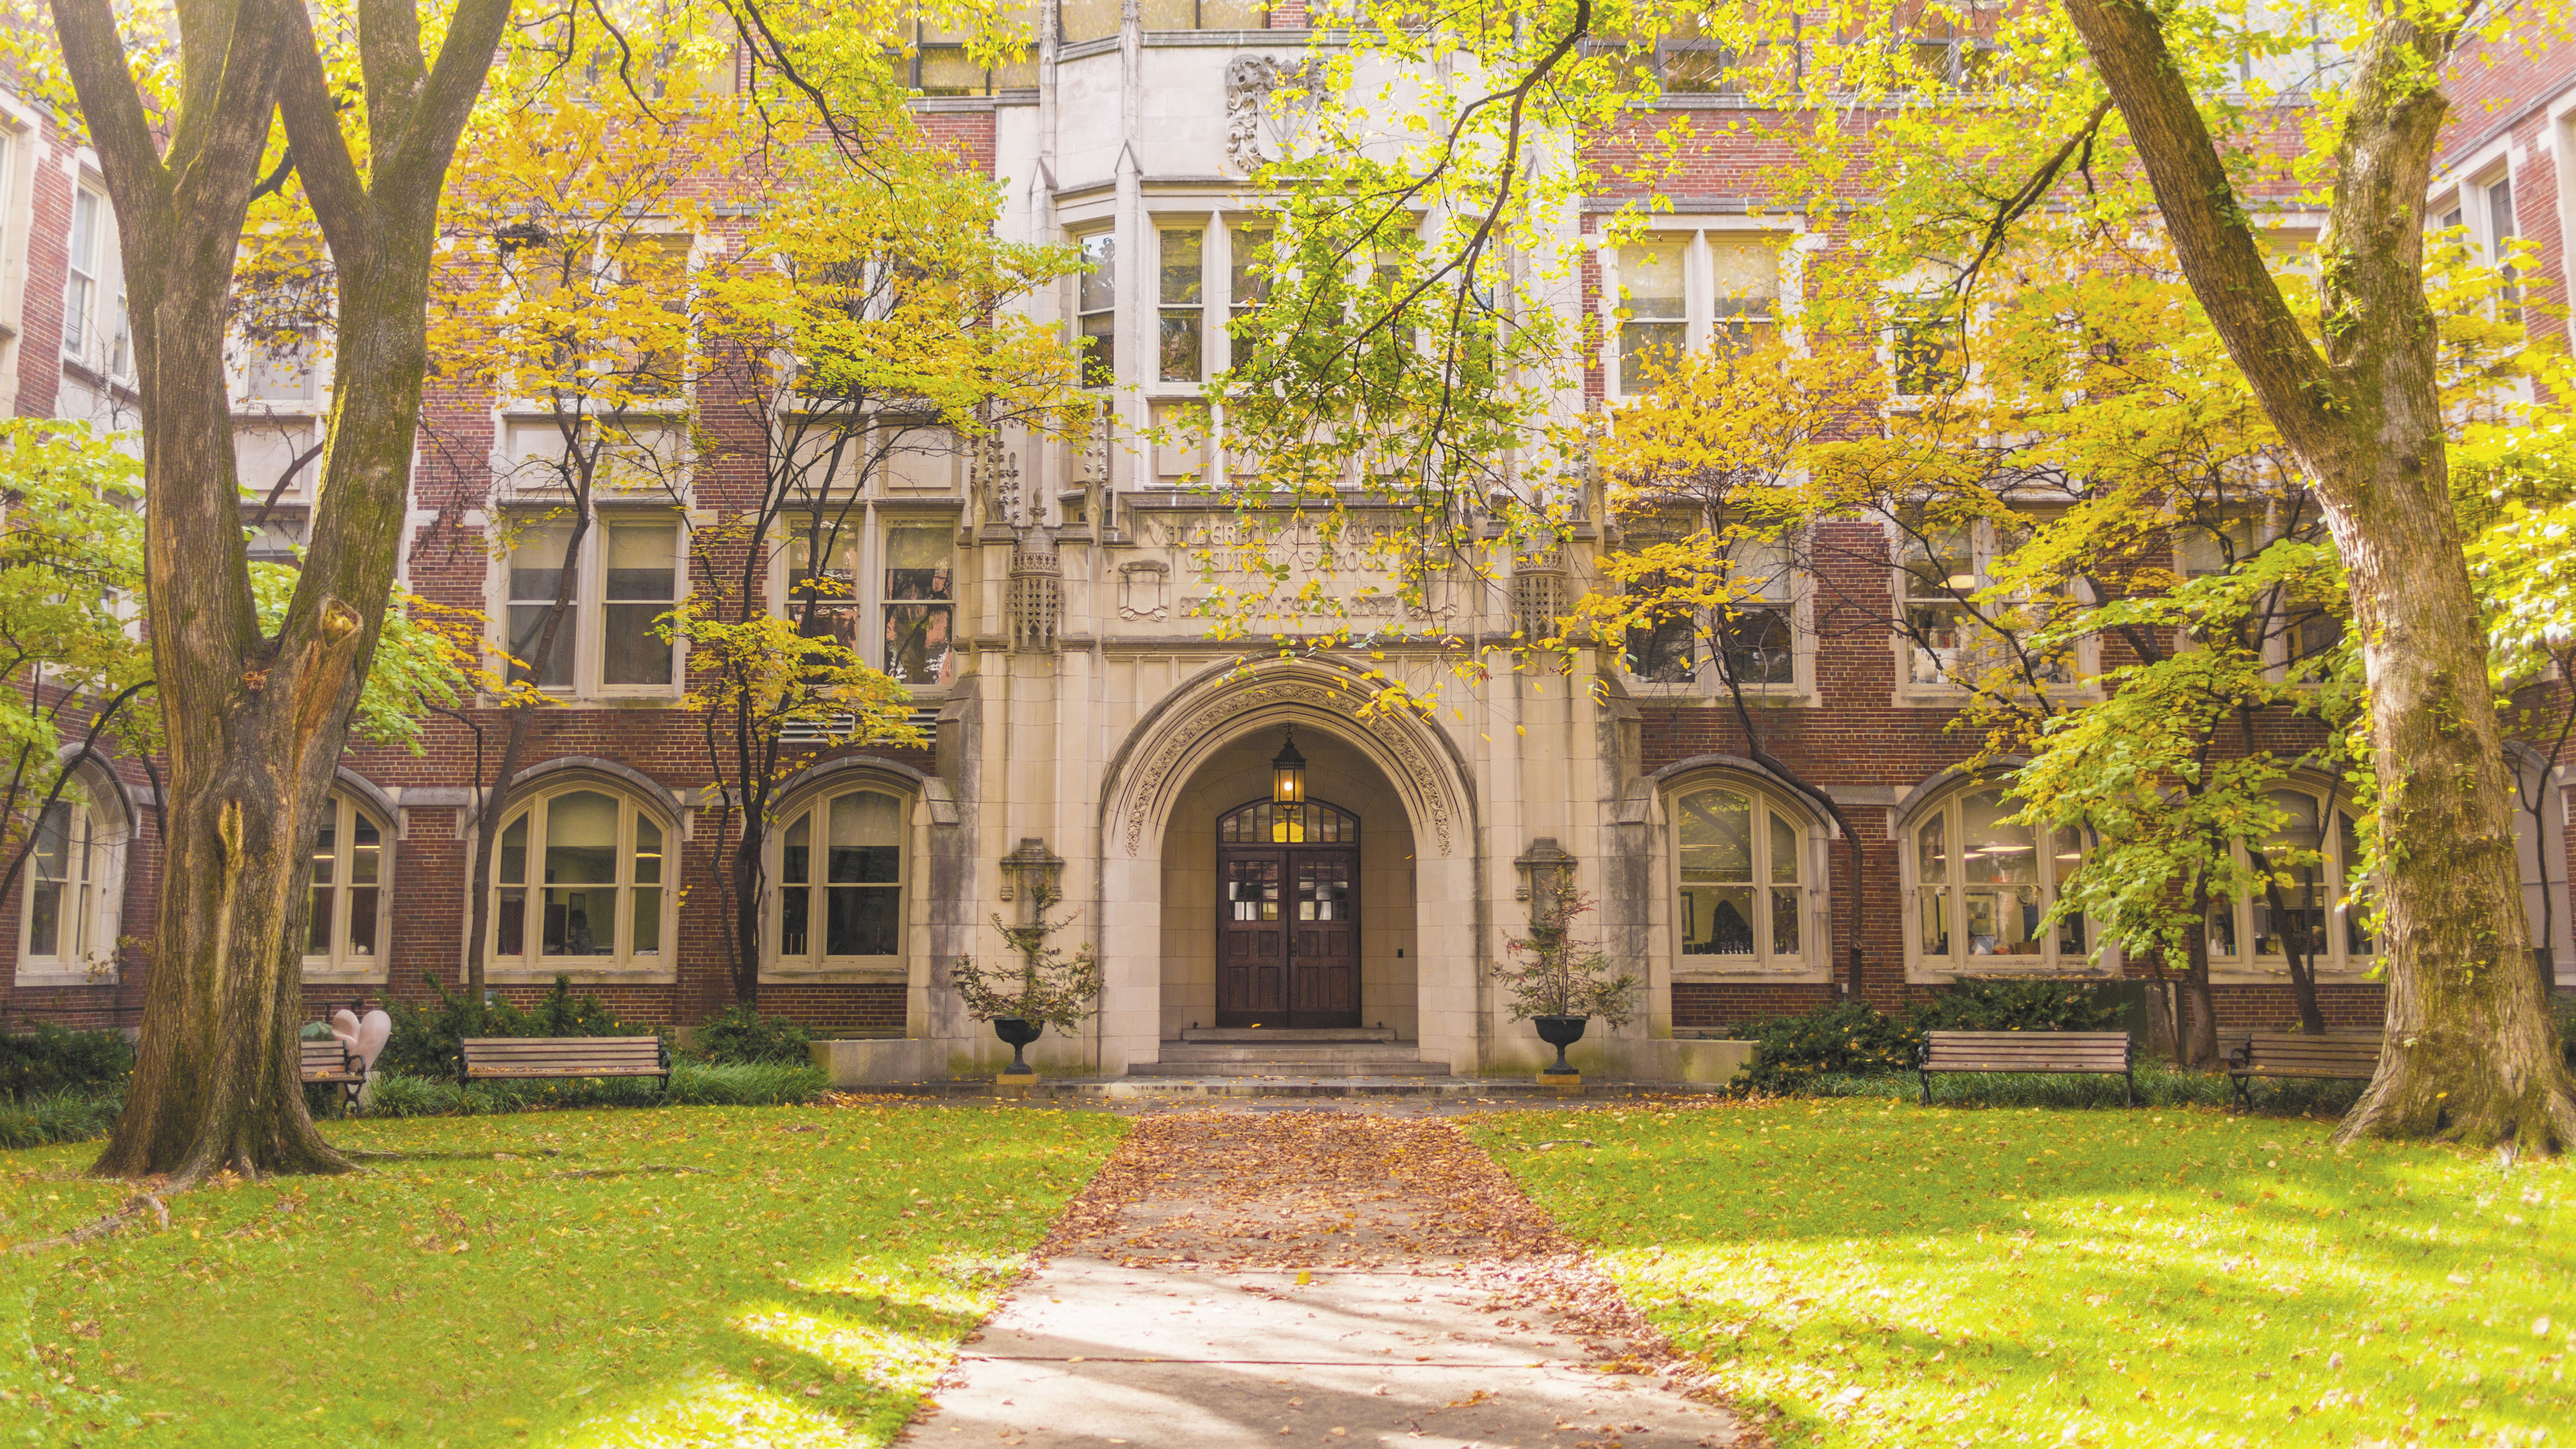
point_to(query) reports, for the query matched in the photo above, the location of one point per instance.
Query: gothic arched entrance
(1288, 932)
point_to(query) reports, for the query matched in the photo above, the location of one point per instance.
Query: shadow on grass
(1880, 1273)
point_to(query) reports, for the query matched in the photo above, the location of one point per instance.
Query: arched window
(1983, 888)
(2311, 917)
(67, 928)
(840, 881)
(1313, 823)
(344, 929)
(1742, 864)
(579, 880)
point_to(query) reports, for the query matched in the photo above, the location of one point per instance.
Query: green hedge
(741, 1034)
(693, 1084)
(1848, 1039)
(426, 1039)
(48, 1061)
(66, 1117)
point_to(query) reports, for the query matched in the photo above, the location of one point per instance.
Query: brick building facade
(1119, 749)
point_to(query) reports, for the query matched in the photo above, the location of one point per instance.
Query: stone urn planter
(1016, 1034)
(1559, 1032)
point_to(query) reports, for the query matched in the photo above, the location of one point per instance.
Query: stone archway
(1205, 752)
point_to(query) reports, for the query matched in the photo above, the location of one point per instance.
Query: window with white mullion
(579, 875)
(625, 577)
(345, 895)
(1687, 292)
(1984, 885)
(2323, 911)
(1741, 861)
(1949, 637)
(840, 882)
(81, 289)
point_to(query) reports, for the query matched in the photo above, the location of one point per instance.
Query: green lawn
(804, 1290)
(1878, 1273)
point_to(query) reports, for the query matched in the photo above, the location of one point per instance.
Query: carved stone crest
(1250, 81)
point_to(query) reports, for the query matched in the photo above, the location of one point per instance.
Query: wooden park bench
(525, 1058)
(2299, 1054)
(329, 1061)
(2098, 1053)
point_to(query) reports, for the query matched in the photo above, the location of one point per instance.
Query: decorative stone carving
(1036, 604)
(1143, 590)
(1250, 81)
(1155, 773)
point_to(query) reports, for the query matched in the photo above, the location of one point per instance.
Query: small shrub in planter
(740, 1034)
(1041, 986)
(1558, 981)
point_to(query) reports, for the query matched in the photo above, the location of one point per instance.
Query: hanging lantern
(1288, 790)
(1288, 772)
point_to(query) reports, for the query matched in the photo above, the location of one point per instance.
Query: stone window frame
(1797, 604)
(1942, 800)
(816, 968)
(532, 966)
(1984, 546)
(99, 805)
(1699, 292)
(869, 520)
(1814, 961)
(336, 966)
(2339, 961)
(590, 599)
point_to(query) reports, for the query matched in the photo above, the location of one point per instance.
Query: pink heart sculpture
(373, 1033)
(344, 1025)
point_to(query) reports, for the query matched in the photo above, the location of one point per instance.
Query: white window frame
(531, 965)
(96, 875)
(590, 600)
(85, 276)
(1813, 960)
(1078, 314)
(1984, 547)
(1797, 607)
(338, 963)
(1948, 810)
(1699, 285)
(610, 272)
(2338, 962)
(814, 965)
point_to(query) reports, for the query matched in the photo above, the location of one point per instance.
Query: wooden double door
(1288, 929)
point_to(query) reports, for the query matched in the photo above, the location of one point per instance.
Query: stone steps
(1289, 1059)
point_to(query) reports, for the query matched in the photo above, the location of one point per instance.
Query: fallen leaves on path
(1230, 1191)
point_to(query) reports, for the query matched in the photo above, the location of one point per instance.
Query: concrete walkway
(1313, 1278)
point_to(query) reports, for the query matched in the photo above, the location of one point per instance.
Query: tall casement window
(1689, 291)
(580, 881)
(625, 577)
(81, 289)
(1182, 300)
(840, 883)
(67, 924)
(2312, 908)
(1983, 887)
(1947, 638)
(1742, 861)
(346, 901)
(1096, 309)
(920, 590)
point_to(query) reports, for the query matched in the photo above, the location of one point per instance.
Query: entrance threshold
(1282, 1035)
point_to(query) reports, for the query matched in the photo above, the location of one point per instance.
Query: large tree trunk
(255, 724)
(2470, 1048)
